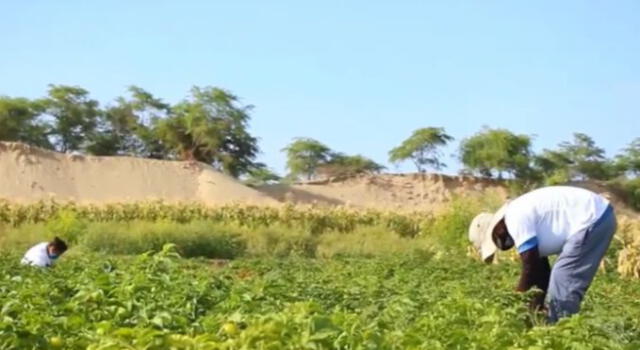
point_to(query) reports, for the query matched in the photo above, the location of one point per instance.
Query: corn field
(628, 237)
(315, 220)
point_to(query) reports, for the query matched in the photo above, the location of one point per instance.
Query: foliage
(342, 165)
(419, 301)
(195, 239)
(628, 190)
(67, 224)
(495, 151)
(210, 127)
(422, 148)
(553, 167)
(259, 175)
(314, 220)
(449, 225)
(629, 160)
(19, 122)
(126, 127)
(304, 155)
(75, 116)
(586, 160)
(628, 238)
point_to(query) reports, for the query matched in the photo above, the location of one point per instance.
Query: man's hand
(536, 271)
(537, 302)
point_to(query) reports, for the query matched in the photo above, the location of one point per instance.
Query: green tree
(20, 122)
(126, 128)
(304, 155)
(629, 160)
(588, 161)
(210, 126)
(553, 167)
(341, 164)
(497, 151)
(260, 174)
(422, 148)
(75, 116)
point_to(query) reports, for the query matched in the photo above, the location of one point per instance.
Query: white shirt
(38, 256)
(552, 215)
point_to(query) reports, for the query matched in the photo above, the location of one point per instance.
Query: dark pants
(576, 266)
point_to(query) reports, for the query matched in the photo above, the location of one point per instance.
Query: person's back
(553, 214)
(44, 254)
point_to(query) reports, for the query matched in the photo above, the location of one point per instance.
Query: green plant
(195, 239)
(67, 225)
(413, 301)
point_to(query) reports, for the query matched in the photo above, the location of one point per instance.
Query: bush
(196, 239)
(631, 189)
(22, 237)
(67, 225)
(367, 242)
(280, 241)
(449, 227)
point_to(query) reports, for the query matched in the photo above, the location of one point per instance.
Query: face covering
(506, 243)
(52, 256)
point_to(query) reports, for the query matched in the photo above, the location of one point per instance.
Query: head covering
(480, 232)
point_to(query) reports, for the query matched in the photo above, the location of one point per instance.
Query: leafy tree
(19, 122)
(553, 167)
(210, 127)
(588, 161)
(629, 161)
(75, 116)
(127, 127)
(260, 174)
(304, 155)
(345, 165)
(422, 148)
(497, 151)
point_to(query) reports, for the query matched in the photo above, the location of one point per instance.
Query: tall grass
(368, 242)
(195, 239)
(233, 231)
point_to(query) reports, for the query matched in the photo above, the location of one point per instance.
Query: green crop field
(418, 301)
(292, 279)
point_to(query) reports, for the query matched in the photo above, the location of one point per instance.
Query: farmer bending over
(574, 223)
(45, 254)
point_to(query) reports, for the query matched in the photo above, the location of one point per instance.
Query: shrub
(196, 239)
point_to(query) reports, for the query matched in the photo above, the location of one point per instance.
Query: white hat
(480, 232)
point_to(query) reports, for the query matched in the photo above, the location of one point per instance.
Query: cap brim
(488, 248)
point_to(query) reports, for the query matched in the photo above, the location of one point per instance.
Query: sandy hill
(387, 191)
(410, 191)
(30, 174)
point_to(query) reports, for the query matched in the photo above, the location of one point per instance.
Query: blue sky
(359, 76)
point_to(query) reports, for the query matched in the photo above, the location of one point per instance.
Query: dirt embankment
(387, 191)
(30, 174)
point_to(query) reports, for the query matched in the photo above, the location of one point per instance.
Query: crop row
(312, 219)
(421, 301)
(449, 224)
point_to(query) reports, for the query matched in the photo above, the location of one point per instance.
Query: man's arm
(535, 272)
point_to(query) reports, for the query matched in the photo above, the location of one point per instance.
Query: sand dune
(30, 174)
(387, 191)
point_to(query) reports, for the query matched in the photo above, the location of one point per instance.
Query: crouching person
(573, 223)
(45, 254)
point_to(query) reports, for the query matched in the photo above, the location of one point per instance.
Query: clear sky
(359, 76)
